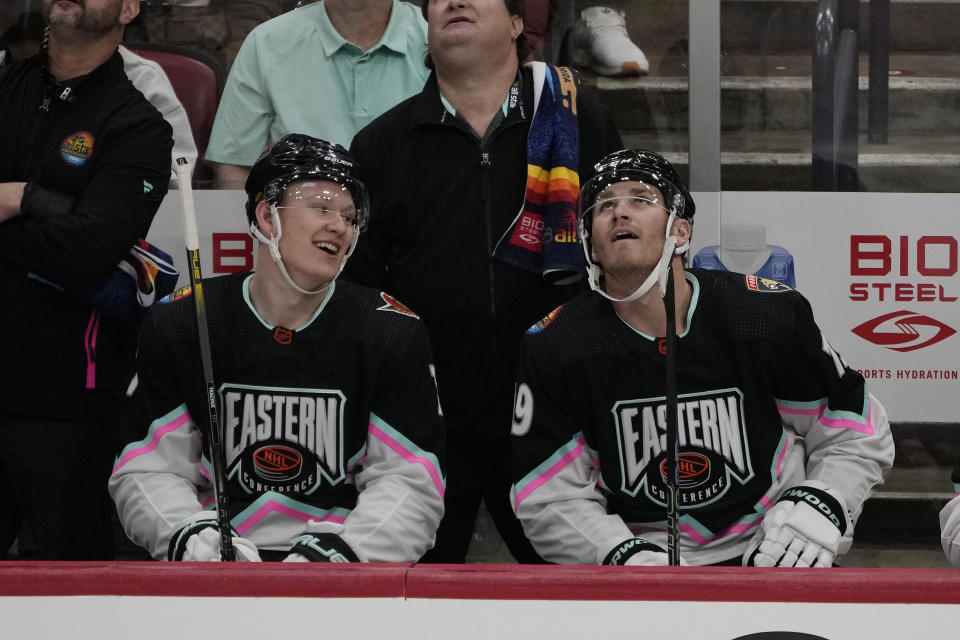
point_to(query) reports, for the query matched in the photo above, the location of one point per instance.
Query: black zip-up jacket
(440, 201)
(96, 158)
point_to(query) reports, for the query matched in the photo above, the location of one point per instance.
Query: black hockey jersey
(764, 403)
(335, 423)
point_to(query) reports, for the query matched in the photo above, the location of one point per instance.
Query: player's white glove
(199, 541)
(950, 530)
(321, 547)
(637, 552)
(803, 529)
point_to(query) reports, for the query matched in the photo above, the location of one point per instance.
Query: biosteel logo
(903, 269)
(904, 331)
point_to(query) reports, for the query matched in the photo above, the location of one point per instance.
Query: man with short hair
(332, 434)
(780, 443)
(473, 183)
(326, 69)
(87, 164)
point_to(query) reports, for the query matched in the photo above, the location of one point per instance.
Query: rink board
(162, 601)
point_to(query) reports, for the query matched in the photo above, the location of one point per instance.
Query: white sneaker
(602, 34)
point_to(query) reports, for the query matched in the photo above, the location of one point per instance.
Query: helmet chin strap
(657, 276)
(273, 244)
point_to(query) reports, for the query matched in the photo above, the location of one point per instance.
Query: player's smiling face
(317, 222)
(627, 234)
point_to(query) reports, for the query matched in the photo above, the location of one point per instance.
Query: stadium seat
(198, 81)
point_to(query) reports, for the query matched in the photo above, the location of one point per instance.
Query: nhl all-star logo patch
(182, 292)
(77, 148)
(392, 304)
(766, 285)
(545, 322)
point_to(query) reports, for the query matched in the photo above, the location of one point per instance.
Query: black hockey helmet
(297, 156)
(640, 166)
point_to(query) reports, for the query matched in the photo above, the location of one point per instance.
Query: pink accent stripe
(90, 346)
(552, 471)
(154, 441)
(206, 503)
(783, 452)
(835, 423)
(742, 527)
(410, 457)
(273, 506)
(698, 537)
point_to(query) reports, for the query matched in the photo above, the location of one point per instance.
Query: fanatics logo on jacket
(283, 440)
(712, 439)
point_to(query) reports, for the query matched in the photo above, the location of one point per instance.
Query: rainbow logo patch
(543, 324)
(77, 148)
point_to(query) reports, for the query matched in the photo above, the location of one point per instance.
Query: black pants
(53, 476)
(477, 469)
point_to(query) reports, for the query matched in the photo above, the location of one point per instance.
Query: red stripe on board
(239, 579)
(482, 581)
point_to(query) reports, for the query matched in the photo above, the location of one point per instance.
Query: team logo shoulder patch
(545, 322)
(77, 148)
(182, 292)
(766, 285)
(392, 304)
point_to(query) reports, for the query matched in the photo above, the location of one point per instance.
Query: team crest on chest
(392, 304)
(281, 439)
(713, 446)
(77, 148)
(766, 285)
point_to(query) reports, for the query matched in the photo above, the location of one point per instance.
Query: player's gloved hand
(803, 529)
(199, 541)
(637, 552)
(321, 547)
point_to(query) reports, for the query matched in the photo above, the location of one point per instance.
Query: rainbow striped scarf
(543, 237)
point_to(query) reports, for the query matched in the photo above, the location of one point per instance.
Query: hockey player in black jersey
(332, 431)
(780, 443)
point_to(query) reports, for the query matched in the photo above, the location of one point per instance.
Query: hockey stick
(192, 241)
(672, 451)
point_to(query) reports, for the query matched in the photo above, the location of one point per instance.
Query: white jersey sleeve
(844, 429)
(159, 482)
(558, 502)
(400, 482)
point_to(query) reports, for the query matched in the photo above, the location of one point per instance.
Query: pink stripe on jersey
(740, 527)
(154, 440)
(90, 346)
(783, 452)
(554, 469)
(409, 456)
(271, 506)
(834, 423)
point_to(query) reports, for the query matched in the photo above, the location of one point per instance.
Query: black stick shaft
(192, 241)
(672, 452)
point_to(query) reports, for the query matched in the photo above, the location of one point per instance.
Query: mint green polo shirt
(296, 74)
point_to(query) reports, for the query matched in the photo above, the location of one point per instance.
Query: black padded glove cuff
(324, 547)
(828, 506)
(622, 552)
